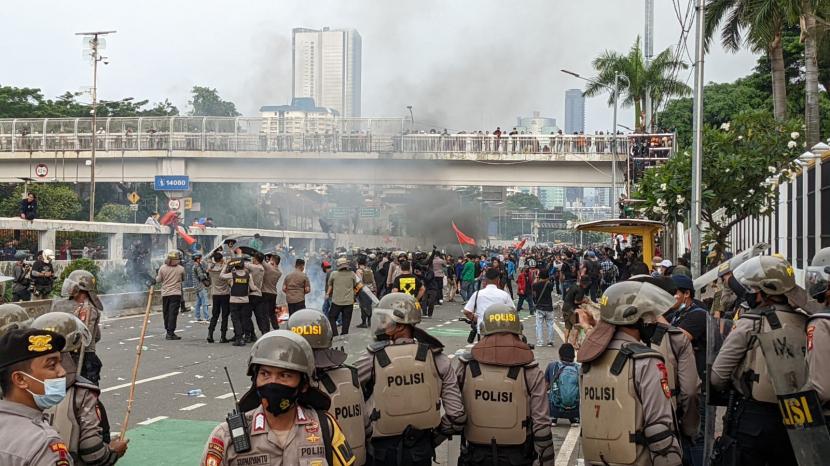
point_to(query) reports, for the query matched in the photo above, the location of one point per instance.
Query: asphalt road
(163, 410)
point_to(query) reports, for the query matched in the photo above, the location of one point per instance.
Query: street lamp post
(616, 93)
(94, 47)
(411, 118)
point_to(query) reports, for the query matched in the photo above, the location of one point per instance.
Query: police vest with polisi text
(342, 386)
(407, 389)
(240, 284)
(496, 400)
(610, 410)
(753, 372)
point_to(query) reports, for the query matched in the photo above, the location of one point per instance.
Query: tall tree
(759, 24)
(637, 79)
(808, 17)
(206, 102)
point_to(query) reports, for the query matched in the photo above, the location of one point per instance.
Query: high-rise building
(327, 68)
(574, 111)
(552, 197)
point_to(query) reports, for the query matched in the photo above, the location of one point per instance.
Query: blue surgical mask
(54, 391)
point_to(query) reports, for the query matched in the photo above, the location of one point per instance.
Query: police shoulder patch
(811, 329)
(59, 448)
(259, 423)
(664, 379)
(212, 459)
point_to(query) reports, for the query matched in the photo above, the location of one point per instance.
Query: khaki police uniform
(304, 444)
(78, 421)
(625, 407)
(683, 379)
(409, 382)
(741, 363)
(341, 384)
(818, 356)
(26, 439)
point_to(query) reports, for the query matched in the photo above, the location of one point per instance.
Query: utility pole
(94, 47)
(697, 144)
(648, 52)
(614, 147)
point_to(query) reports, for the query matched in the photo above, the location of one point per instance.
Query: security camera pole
(93, 52)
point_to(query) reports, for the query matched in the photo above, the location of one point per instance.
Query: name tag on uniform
(252, 460)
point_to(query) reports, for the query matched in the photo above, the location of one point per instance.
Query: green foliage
(78, 264)
(54, 201)
(743, 161)
(116, 213)
(24, 102)
(523, 201)
(206, 102)
(637, 80)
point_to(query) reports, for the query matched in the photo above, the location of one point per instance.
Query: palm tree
(658, 78)
(808, 11)
(759, 24)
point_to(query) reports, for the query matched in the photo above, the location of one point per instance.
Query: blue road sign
(172, 183)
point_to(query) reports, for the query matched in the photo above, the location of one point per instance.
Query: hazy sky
(460, 64)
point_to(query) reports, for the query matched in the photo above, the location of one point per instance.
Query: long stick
(138, 352)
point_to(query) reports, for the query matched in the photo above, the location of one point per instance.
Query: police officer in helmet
(504, 397)
(406, 363)
(80, 418)
(79, 289)
(625, 399)
(758, 429)
(285, 417)
(12, 317)
(818, 329)
(338, 380)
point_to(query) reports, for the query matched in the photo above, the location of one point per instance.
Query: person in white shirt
(486, 297)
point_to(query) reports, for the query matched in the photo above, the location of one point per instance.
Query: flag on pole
(521, 244)
(462, 238)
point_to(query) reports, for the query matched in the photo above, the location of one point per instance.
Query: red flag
(521, 244)
(462, 238)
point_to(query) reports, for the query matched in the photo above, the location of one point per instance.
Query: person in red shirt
(525, 285)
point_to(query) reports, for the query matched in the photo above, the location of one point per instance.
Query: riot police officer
(407, 363)
(757, 426)
(335, 378)
(82, 301)
(679, 356)
(504, 397)
(80, 418)
(13, 316)
(32, 380)
(625, 398)
(283, 425)
(818, 326)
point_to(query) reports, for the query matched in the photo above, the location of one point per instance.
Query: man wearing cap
(340, 289)
(625, 398)
(689, 317)
(504, 397)
(32, 379)
(171, 276)
(285, 417)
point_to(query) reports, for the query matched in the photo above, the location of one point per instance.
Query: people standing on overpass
(296, 286)
(171, 276)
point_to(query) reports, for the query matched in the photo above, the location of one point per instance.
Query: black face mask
(752, 300)
(646, 331)
(281, 398)
(736, 287)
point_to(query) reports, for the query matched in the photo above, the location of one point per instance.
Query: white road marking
(151, 420)
(225, 396)
(192, 407)
(567, 447)
(140, 381)
(559, 332)
(149, 336)
(469, 346)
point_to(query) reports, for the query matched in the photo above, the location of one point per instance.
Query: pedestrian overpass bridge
(311, 150)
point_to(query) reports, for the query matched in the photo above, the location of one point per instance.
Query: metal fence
(306, 135)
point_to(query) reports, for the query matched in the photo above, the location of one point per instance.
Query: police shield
(783, 350)
(65, 305)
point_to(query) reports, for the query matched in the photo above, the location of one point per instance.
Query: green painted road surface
(171, 442)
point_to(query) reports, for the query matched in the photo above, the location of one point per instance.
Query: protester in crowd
(562, 378)
(296, 286)
(28, 207)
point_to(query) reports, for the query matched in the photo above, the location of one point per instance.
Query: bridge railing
(300, 135)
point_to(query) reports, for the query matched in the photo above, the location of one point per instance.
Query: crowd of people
(640, 339)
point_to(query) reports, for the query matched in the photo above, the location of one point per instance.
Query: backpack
(564, 386)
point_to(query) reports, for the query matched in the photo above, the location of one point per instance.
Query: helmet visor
(69, 288)
(817, 280)
(382, 323)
